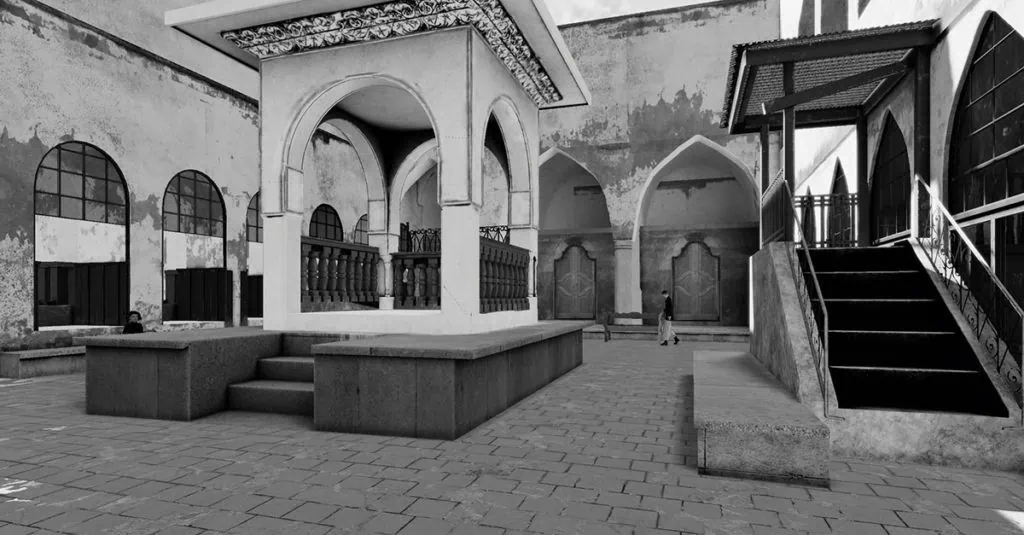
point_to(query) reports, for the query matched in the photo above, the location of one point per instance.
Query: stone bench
(41, 362)
(749, 426)
(437, 387)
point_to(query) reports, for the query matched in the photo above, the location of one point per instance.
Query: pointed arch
(696, 143)
(522, 178)
(890, 183)
(419, 161)
(841, 211)
(840, 186)
(986, 117)
(570, 173)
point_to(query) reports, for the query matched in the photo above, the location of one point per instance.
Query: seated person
(134, 325)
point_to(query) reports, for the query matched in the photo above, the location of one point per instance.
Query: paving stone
(311, 512)
(386, 523)
(427, 526)
(219, 520)
(634, 517)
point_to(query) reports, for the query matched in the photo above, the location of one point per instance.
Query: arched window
(361, 233)
(193, 205)
(254, 221)
(841, 211)
(986, 158)
(79, 181)
(326, 225)
(890, 190)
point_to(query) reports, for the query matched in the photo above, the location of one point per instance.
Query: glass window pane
(216, 211)
(203, 227)
(170, 222)
(95, 211)
(115, 214)
(980, 113)
(170, 203)
(47, 180)
(217, 229)
(92, 151)
(202, 189)
(1015, 173)
(1009, 95)
(95, 167)
(112, 172)
(71, 208)
(981, 77)
(47, 204)
(172, 186)
(203, 208)
(981, 146)
(52, 159)
(187, 205)
(1008, 132)
(1006, 59)
(115, 193)
(95, 189)
(186, 186)
(70, 185)
(187, 224)
(259, 233)
(71, 161)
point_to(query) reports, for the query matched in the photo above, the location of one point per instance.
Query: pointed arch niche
(571, 199)
(700, 193)
(890, 183)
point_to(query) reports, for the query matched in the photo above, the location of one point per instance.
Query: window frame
(115, 207)
(215, 227)
(325, 224)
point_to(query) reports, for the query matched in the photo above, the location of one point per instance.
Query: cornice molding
(403, 18)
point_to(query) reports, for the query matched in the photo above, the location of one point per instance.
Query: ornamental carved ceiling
(402, 18)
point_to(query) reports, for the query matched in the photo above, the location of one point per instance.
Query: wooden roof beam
(837, 48)
(832, 88)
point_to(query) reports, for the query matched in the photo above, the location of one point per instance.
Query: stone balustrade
(336, 275)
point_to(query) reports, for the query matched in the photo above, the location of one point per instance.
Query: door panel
(575, 291)
(696, 284)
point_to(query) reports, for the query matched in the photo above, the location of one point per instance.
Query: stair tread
(865, 272)
(881, 300)
(859, 331)
(890, 369)
(269, 384)
(298, 359)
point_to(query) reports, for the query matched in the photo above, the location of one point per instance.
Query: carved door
(575, 293)
(697, 292)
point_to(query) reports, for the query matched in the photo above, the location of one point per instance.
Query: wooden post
(766, 175)
(788, 150)
(863, 188)
(922, 140)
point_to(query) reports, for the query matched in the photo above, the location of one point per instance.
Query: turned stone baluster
(304, 273)
(323, 276)
(332, 276)
(313, 272)
(350, 269)
(367, 277)
(397, 288)
(420, 288)
(376, 268)
(343, 276)
(409, 282)
(433, 283)
(361, 276)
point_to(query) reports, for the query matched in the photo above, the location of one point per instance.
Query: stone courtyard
(608, 448)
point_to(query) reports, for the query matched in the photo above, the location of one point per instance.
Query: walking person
(665, 330)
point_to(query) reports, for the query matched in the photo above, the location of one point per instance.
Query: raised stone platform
(438, 387)
(686, 333)
(749, 426)
(40, 362)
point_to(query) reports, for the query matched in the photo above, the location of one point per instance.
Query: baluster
(313, 272)
(332, 275)
(343, 275)
(304, 272)
(350, 280)
(367, 276)
(323, 275)
(397, 288)
(376, 277)
(433, 282)
(484, 279)
(408, 281)
(420, 287)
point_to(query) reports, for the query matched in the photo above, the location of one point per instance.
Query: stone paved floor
(605, 450)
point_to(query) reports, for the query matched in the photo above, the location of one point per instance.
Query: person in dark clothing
(134, 325)
(665, 330)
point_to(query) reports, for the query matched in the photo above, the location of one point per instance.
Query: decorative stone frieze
(402, 18)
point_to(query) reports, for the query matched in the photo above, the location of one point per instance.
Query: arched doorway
(197, 286)
(81, 245)
(696, 284)
(890, 187)
(703, 194)
(573, 214)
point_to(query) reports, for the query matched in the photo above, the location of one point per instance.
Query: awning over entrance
(828, 79)
(521, 33)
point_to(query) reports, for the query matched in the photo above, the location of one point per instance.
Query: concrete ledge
(171, 376)
(437, 387)
(42, 362)
(748, 425)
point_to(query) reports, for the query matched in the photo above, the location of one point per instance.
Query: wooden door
(696, 284)
(575, 291)
(202, 294)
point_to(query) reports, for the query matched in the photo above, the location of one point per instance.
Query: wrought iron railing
(815, 317)
(829, 220)
(335, 274)
(498, 233)
(994, 315)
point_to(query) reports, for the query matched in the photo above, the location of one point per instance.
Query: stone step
(282, 397)
(863, 259)
(873, 284)
(908, 315)
(645, 333)
(933, 350)
(42, 362)
(298, 369)
(917, 389)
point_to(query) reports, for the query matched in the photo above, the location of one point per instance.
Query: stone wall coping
(175, 340)
(30, 354)
(450, 347)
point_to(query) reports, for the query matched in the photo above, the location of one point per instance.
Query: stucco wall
(692, 197)
(69, 240)
(189, 251)
(599, 245)
(571, 199)
(99, 92)
(421, 210)
(255, 260)
(337, 179)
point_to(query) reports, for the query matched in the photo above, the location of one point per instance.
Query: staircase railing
(981, 296)
(779, 198)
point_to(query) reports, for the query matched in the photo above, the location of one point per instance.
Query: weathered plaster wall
(419, 205)
(817, 180)
(189, 251)
(570, 197)
(657, 80)
(494, 210)
(733, 246)
(68, 240)
(599, 245)
(337, 180)
(255, 258)
(96, 91)
(693, 197)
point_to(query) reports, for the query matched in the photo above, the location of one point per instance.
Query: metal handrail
(1001, 348)
(819, 339)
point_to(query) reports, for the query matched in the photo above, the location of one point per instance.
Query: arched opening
(197, 285)
(252, 277)
(360, 234)
(890, 187)
(986, 163)
(573, 213)
(842, 209)
(699, 194)
(494, 211)
(325, 224)
(81, 228)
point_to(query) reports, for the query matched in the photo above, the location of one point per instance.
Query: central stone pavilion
(452, 337)
(411, 84)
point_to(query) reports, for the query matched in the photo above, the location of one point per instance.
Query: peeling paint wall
(337, 180)
(189, 251)
(255, 260)
(494, 211)
(693, 197)
(153, 121)
(69, 240)
(420, 208)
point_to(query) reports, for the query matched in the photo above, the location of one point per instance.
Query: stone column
(460, 261)
(627, 280)
(383, 242)
(282, 245)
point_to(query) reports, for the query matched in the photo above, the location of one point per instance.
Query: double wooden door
(575, 289)
(696, 276)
